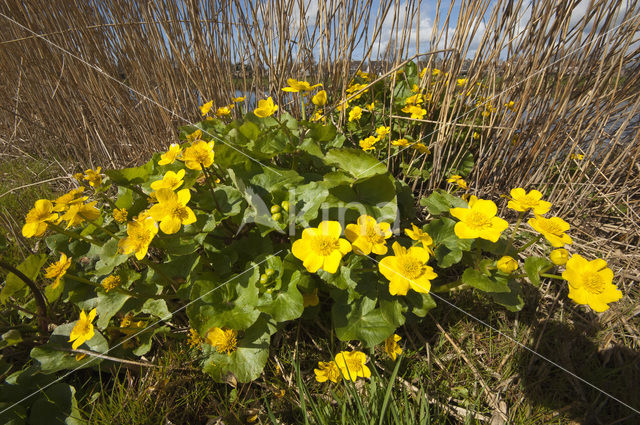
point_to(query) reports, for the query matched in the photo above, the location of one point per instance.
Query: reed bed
(92, 83)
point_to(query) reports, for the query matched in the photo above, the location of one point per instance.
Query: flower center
(593, 283)
(143, 237)
(180, 212)
(374, 235)
(324, 245)
(83, 327)
(201, 156)
(528, 202)
(410, 267)
(478, 220)
(551, 227)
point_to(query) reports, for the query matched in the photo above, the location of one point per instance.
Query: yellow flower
(355, 113)
(417, 113)
(417, 234)
(327, 371)
(591, 283)
(382, 131)
(407, 269)
(265, 108)
(311, 299)
(172, 211)
(223, 111)
(416, 99)
(352, 365)
(507, 264)
(420, 147)
(479, 221)
(391, 346)
(140, 233)
(77, 213)
(194, 338)
(510, 104)
(224, 340)
(461, 82)
(318, 115)
(370, 107)
(476, 135)
(368, 144)
(93, 177)
(320, 98)
(57, 270)
(553, 229)
(170, 180)
(578, 156)
(368, 236)
(423, 72)
(79, 177)
(206, 107)
(170, 156)
(523, 201)
(458, 180)
(400, 142)
(559, 256)
(198, 155)
(110, 282)
(436, 72)
(238, 99)
(364, 75)
(120, 215)
(196, 135)
(296, 86)
(342, 106)
(37, 218)
(69, 198)
(321, 247)
(83, 329)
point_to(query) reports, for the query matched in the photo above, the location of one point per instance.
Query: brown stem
(41, 304)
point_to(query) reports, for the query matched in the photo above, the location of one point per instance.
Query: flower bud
(559, 256)
(507, 264)
(275, 209)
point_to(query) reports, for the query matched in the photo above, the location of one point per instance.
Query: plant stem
(552, 276)
(531, 242)
(448, 286)
(41, 305)
(513, 234)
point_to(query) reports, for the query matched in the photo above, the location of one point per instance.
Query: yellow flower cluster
(349, 365)
(223, 340)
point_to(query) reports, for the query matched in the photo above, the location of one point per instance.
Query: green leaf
(442, 230)
(109, 258)
(156, 308)
(12, 337)
(286, 303)
(440, 202)
(420, 303)
(357, 163)
(474, 278)
(248, 361)
(447, 257)
(512, 300)
(322, 133)
(358, 321)
(30, 267)
(52, 359)
(56, 405)
(129, 176)
(249, 130)
(533, 266)
(108, 305)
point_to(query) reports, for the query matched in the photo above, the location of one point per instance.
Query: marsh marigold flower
(523, 201)
(238, 99)
(170, 180)
(38, 217)
(140, 233)
(110, 282)
(223, 340)
(83, 329)
(421, 147)
(458, 180)
(57, 270)
(120, 215)
(383, 131)
(321, 247)
(296, 86)
(63, 202)
(417, 234)
(355, 113)
(352, 365)
(223, 111)
(559, 256)
(198, 155)
(415, 99)
(265, 108)
(368, 144)
(407, 269)
(206, 108)
(320, 98)
(368, 236)
(194, 338)
(553, 229)
(195, 136)
(400, 142)
(327, 371)
(93, 177)
(417, 113)
(172, 211)
(591, 283)
(479, 221)
(78, 213)
(391, 346)
(171, 155)
(507, 264)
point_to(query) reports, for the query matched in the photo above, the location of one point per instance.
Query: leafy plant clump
(247, 225)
